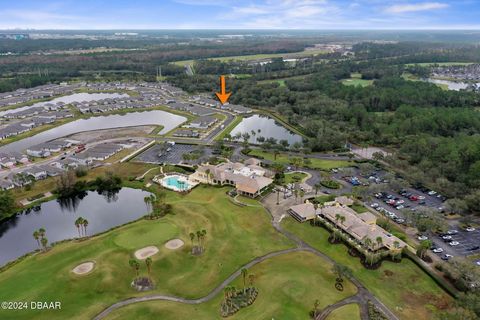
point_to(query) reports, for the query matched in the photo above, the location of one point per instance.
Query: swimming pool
(177, 183)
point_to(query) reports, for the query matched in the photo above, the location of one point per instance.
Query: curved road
(361, 297)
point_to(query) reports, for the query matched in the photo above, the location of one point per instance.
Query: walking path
(361, 297)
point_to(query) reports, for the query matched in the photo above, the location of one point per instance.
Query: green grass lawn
(357, 82)
(350, 312)
(358, 208)
(316, 163)
(235, 235)
(403, 287)
(295, 177)
(229, 128)
(249, 57)
(288, 286)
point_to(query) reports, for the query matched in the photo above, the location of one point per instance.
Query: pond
(168, 120)
(265, 127)
(57, 217)
(76, 97)
(453, 85)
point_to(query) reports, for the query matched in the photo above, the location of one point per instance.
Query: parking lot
(467, 241)
(172, 154)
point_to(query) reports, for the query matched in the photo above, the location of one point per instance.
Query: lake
(266, 127)
(76, 97)
(168, 120)
(57, 217)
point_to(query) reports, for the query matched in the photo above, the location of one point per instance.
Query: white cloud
(425, 6)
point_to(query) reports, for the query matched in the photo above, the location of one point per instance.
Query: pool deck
(162, 180)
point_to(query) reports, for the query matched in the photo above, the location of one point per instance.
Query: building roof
(304, 210)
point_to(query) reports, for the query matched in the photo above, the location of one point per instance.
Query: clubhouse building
(249, 178)
(358, 226)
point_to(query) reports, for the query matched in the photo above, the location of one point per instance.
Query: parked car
(422, 238)
(447, 237)
(421, 197)
(400, 207)
(431, 193)
(474, 248)
(447, 256)
(438, 250)
(470, 229)
(374, 205)
(454, 243)
(477, 263)
(452, 231)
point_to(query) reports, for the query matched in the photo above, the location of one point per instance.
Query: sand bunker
(146, 252)
(174, 244)
(84, 268)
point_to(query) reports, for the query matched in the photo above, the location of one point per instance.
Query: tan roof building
(303, 212)
(249, 180)
(360, 226)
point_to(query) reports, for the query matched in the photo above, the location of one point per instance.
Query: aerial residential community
(269, 160)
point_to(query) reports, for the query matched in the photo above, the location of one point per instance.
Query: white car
(400, 207)
(452, 231)
(432, 193)
(447, 237)
(422, 238)
(374, 205)
(421, 197)
(470, 229)
(478, 263)
(454, 243)
(438, 250)
(400, 201)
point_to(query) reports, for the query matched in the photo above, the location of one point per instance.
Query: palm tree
(192, 237)
(244, 275)
(208, 175)
(337, 217)
(317, 187)
(379, 241)
(367, 242)
(396, 246)
(203, 235)
(85, 225)
(342, 219)
(199, 234)
(148, 262)
(78, 222)
(135, 265)
(147, 202)
(41, 232)
(44, 242)
(36, 235)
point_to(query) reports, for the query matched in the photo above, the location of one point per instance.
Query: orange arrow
(223, 96)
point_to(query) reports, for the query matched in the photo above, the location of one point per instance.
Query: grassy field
(350, 312)
(288, 286)
(403, 287)
(229, 128)
(295, 177)
(281, 81)
(235, 235)
(356, 80)
(316, 163)
(304, 53)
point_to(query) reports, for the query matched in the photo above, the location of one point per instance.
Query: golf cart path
(361, 297)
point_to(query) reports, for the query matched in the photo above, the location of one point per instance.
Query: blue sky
(248, 14)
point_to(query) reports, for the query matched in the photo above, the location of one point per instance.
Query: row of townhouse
(33, 111)
(28, 124)
(45, 149)
(100, 152)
